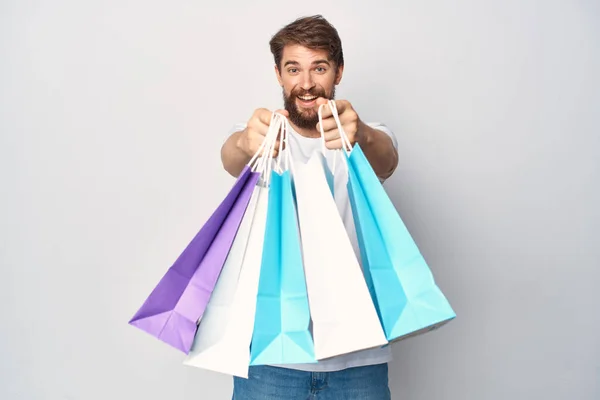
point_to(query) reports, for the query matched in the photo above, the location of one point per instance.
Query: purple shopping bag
(172, 310)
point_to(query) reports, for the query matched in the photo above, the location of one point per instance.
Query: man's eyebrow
(316, 62)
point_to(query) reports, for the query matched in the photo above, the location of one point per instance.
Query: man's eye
(320, 69)
(292, 70)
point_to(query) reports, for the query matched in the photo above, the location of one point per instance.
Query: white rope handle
(343, 136)
(320, 114)
(269, 164)
(284, 148)
(281, 142)
(254, 160)
(289, 163)
(262, 160)
(286, 141)
(323, 146)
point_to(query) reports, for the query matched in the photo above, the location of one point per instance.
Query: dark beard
(309, 118)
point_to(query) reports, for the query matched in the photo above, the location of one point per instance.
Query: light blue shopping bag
(281, 327)
(402, 286)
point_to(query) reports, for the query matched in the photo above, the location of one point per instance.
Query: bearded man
(309, 64)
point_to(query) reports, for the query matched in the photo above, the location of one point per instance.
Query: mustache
(312, 92)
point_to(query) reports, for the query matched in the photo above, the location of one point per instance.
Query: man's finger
(275, 150)
(265, 116)
(341, 105)
(328, 125)
(332, 135)
(321, 101)
(325, 110)
(283, 112)
(334, 144)
(266, 149)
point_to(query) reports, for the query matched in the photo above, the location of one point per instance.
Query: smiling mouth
(307, 98)
(307, 101)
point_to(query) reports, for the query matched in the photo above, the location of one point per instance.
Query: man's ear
(278, 76)
(338, 75)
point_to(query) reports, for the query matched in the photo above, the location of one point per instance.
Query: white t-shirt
(301, 148)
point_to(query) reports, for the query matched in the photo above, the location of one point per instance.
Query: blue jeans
(274, 383)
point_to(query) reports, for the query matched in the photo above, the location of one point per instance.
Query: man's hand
(375, 144)
(251, 138)
(348, 118)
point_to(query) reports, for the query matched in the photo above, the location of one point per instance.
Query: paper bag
(343, 315)
(281, 326)
(223, 339)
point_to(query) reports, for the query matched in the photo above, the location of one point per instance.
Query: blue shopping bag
(406, 297)
(281, 327)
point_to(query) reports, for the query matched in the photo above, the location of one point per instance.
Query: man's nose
(307, 81)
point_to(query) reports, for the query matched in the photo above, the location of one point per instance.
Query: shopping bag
(227, 350)
(173, 309)
(407, 298)
(281, 327)
(343, 315)
(222, 342)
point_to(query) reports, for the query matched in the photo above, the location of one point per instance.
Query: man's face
(305, 75)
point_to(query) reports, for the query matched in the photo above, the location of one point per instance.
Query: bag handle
(343, 136)
(262, 161)
(272, 133)
(285, 152)
(282, 139)
(259, 156)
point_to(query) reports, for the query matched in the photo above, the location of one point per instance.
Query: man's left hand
(349, 120)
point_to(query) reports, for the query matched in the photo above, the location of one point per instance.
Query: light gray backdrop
(112, 114)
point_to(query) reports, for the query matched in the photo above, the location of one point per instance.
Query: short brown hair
(313, 32)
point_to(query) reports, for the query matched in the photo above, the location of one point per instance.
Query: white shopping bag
(207, 348)
(343, 315)
(222, 342)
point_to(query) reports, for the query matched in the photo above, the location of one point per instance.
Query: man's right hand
(253, 136)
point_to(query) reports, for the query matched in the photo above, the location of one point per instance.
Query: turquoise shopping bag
(281, 327)
(402, 286)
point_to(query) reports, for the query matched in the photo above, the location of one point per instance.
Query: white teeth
(307, 98)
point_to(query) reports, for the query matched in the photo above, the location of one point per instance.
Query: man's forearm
(379, 150)
(234, 159)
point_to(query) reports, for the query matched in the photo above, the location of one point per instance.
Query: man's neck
(306, 132)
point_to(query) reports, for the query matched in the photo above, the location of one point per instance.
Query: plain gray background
(112, 114)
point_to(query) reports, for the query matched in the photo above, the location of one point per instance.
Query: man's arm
(379, 149)
(233, 157)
